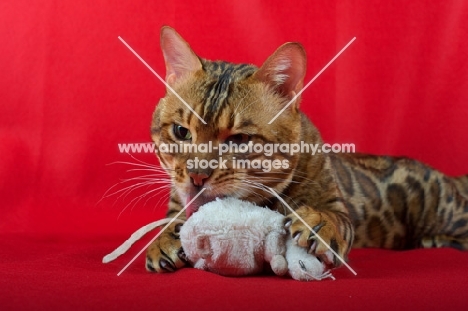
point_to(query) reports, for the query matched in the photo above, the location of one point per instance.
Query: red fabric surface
(71, 91)
(58, 276)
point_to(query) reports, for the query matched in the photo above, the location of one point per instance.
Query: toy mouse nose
(198, 179)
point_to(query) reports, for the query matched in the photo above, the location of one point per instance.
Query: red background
(70, 91)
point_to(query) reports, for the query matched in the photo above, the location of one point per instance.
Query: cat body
(400, 203)
(347, 199)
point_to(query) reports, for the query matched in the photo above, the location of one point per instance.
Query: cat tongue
(195, 205)
(192, 208)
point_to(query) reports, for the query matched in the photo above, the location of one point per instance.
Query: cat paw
(165, 254)
(321, 225)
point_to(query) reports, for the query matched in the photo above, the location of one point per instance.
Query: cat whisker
(159, 176)
(160, 172)
(127, 190)
(246, 190)
(296, 174)
(155, 194)
(165, 196)
(143, 162)
(134, 164)
(137, 199)
(241, 190)
(262, 197)
(152, 192)
(273, 179)
(256, 185)
(132, 187)
(146, 177)
(263, 187)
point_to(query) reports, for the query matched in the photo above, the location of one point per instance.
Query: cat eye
(238, 139)
(181, 132)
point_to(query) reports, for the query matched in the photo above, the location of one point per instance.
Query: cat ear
(285, 69)
(179, 57)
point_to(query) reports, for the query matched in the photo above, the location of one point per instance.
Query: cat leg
(165, 254)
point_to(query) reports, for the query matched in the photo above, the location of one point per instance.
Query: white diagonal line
(159, 233)
(161, 79)
(312, 230)
(313, 79)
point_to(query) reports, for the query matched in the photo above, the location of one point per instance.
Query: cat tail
(122, 249)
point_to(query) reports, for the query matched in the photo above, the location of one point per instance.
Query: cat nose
(198, 179)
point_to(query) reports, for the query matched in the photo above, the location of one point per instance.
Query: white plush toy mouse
(234, 238)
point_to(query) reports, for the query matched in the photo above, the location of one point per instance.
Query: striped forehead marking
(223, 74)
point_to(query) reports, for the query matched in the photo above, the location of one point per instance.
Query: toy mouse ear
(204, 246)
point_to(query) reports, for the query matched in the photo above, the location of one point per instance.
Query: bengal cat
(350, 199)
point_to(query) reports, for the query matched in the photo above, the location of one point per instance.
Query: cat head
(214, 104)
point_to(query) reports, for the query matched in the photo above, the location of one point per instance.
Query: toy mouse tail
(324, 275)
(122, 249)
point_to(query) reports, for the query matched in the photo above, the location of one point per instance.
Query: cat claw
(182, 256)
(312, 247)
(315, 230)
(297, 235)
